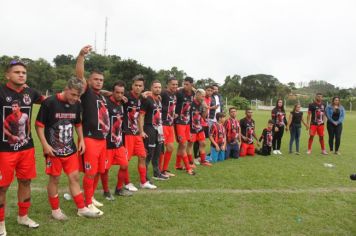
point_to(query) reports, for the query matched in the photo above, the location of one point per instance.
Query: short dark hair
(16, 102)
(215, 85)
(96, 71)
(317, 94)
(118, 83)
(15, 63)
(232, 108)
(271, 122)
(248, 109)
(138, 77)
(171, 78)
(189, 79)
(209, 87)
(156, 81)
(219, 115)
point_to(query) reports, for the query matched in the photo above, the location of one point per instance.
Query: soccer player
(247, 125)
(315, 121)
(185, 98)
(198, 112)
(233, 137)
(54, 125)
(267, 137)
(169, 101)
(133, 139)
(16, 145)
(279, 118)
(217, 137)
(96, 127)
(151, 129)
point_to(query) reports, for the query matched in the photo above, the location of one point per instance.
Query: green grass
(289, 195)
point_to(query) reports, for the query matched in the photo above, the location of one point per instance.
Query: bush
(240, 103)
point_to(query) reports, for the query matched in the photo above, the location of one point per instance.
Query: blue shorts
(216, 155)
(232, 150)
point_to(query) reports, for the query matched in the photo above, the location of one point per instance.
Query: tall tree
(232, 86)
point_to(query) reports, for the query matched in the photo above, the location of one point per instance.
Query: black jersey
(15, 112)
(116, 114)
(95, 115)
(168, 107)
(196, 112)
(279, 117)
(317, 111)
(247, 129)
(267, 137)
(152, 108)
(184, 102)
(296, 118)
(131, 111)
(58, 117)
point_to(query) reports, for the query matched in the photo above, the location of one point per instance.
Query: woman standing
(335, 113)
(279, 119)
(295, 121)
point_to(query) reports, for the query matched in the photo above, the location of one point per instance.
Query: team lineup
(114, 126)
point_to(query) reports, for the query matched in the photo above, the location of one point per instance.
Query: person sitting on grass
(248, 127)
(217, 137)
(267, 137)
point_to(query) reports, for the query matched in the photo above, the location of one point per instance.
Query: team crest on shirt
(26, 99)
(8, 99)
(49, 163)
(87, 166)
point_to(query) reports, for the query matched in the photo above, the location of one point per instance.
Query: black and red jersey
(95, 115)
(15, 112)
(58, 118)
(116, 115)
(152, 108)
(247, 129)
(218, 133)
(317, 111)
(131, 111)
(267, 137)
(279, 117)
(184, 101)
(196, 115)
(169, 101)
(232, 127)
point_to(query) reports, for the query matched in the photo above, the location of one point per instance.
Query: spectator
(335, 114)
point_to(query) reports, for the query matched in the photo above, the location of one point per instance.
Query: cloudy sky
(294, 40)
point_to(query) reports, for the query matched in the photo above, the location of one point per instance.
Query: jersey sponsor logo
(65, 115)
(26, 99)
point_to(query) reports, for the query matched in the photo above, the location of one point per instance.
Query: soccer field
(276, 195)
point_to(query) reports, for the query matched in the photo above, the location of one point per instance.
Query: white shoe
(96, 203)
(131, 187)
(95, 210)
(86, 212)
(275, 152)
(2, 228)
(197, 161)
(279, 152)
(148, 185)
(59, 215)
(25, 220)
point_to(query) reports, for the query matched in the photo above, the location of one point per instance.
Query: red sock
(23, 208)
(322, 144)
(310, 142)
(121, 178)
(186, 163)
(79, 201)
(127, 177)
(95, 184)
(202, 157)
(2, 213)
(105, 180)
(142, 172)
(190, 158)
(161, 159)
(88, 189)
(54, 202)
(179, 161)
(167, 158)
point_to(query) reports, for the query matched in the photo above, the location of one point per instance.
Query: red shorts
(182, 133)
(69, 164)
(93, 160)
(168, 132)
(247, 149)
(197, 137)
(316, 129)
(134, 146)
(116, 156)
(23, 162)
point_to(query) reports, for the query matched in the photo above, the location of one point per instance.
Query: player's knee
(170, 147)
(74, 177)
(54, 180)
(24, 182)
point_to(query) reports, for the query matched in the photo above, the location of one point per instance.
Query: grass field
(277, 195)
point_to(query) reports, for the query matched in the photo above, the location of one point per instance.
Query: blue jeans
(232, 150)
(294, 135)
(216, 155)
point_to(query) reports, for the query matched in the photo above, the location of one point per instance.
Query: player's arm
(255, 136)
(224, 146)
(81, 144)
(309, 116)
(304, 123)
(47, 149)
(79, 67)
(29, 127)
(141, 121)
(289, 121)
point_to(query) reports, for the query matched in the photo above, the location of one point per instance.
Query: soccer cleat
(206, 163)
(275, 152)
(108, 196)
(25, 220)
(86, 212)
(279, 152)
(96, 203)
(59, 215)
(95, 210)
(324, 152)
(160, 177)
(147, 185)
(123, 192)
(2, 228)
(191, 172)
(309, 152)
(168, 173)
(131, 187)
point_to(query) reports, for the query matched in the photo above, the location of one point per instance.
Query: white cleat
(59, 215)
(279, 152)
(25, 220)
(95, 210)
(275, 152)
(86, 212)
(96, 203)
(148, 185)
(2, 228)
(131, 187)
